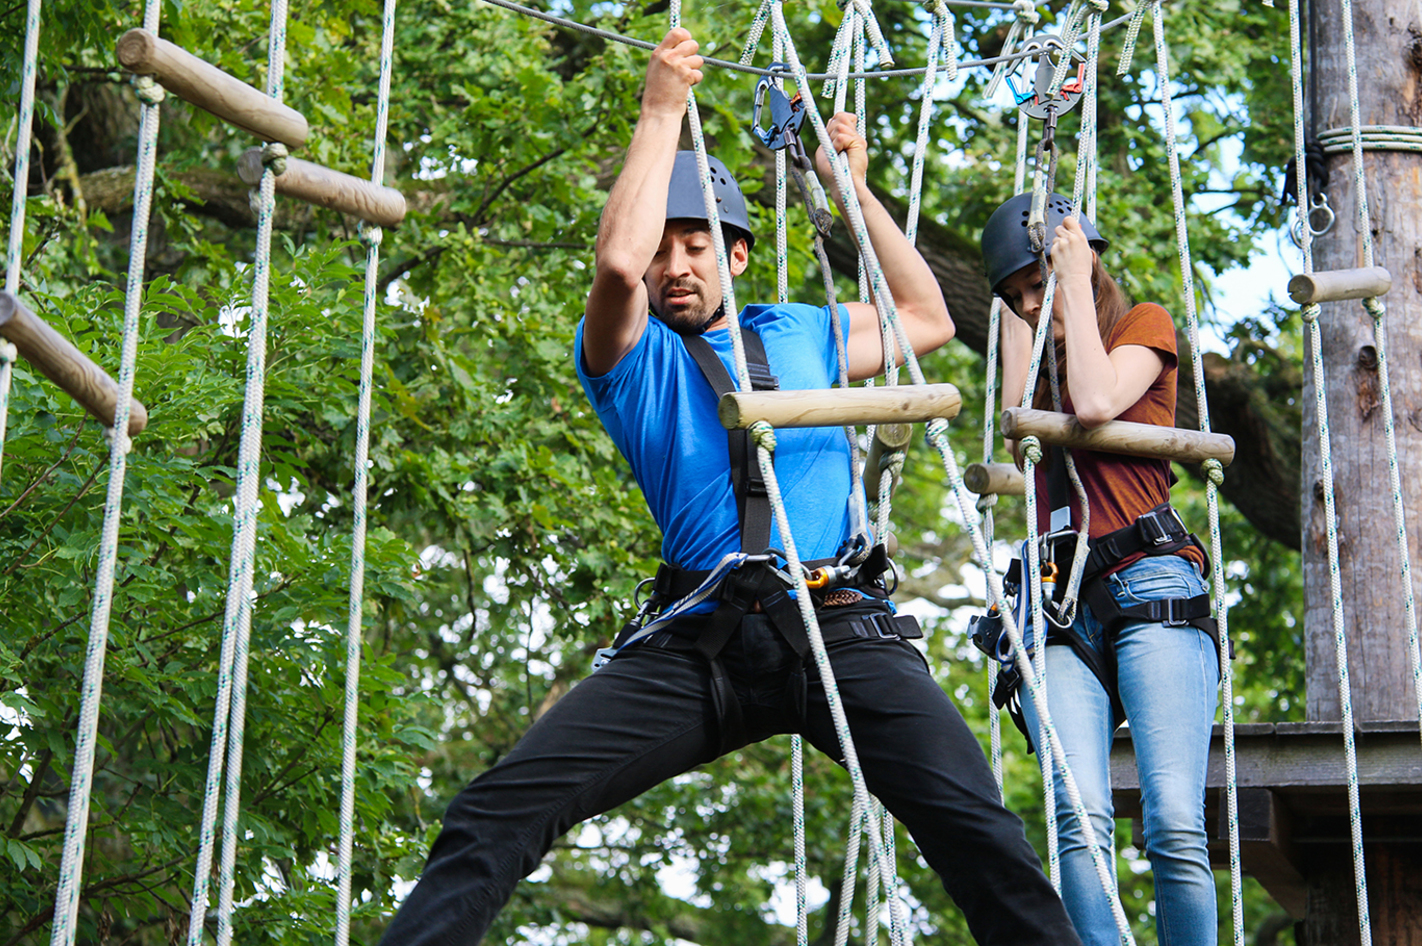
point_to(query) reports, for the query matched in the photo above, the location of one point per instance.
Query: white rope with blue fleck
(371, 236)
(1213, 468)
(66, 901)
(228, 720)
(14, 253)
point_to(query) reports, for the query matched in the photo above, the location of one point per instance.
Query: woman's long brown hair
(1111, 307)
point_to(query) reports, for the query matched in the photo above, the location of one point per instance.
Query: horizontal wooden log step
(1118, 436)
(324, 187)
(208, 87)
(888, 439)
(57, 358)
(836, 407)
(1003, 479)
(1340, 284)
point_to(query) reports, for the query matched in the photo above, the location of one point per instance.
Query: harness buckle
(882, 625)
(1174, 612)
(1158, 532)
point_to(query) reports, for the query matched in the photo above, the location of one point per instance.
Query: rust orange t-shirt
(1120, 488)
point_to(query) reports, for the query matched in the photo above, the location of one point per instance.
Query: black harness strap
(752, 500)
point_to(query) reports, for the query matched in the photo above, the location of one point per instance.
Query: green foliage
(506, 535)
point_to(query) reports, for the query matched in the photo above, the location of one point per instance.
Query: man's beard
(689, 319)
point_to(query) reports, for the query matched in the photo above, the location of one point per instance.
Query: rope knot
(148, 90)
(763, 434)
(938, 427)
(1214, 469)
(274, 157)
(1026, 11)
(1310, 312)
(1375, 308)
(985, 503)
(1032, 449)
(1100, 6)
(371, 235)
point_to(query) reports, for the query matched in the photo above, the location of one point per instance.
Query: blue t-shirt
(661, 413)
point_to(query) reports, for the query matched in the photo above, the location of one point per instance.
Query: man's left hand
(847, 140)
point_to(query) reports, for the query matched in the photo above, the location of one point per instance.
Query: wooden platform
(1293, 801)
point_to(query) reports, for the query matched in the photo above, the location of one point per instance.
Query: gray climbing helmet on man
(1007, 245)
(685, 202)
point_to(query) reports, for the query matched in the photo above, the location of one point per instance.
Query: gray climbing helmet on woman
(685, 202)
(1007, 246)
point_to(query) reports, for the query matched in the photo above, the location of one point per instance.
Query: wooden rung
(327, 188)
(1001, 478)
(1118, 436)
(208, 87)
(888, 439)
(836, 407)
(1340, 284)
(57, 358)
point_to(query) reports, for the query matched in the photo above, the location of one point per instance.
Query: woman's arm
(1102, 385)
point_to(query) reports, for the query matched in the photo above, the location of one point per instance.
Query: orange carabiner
(818, 579)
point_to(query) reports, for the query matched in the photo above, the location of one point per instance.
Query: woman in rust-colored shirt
(1142, 628)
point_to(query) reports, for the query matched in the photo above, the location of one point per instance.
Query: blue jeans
(1167, 678)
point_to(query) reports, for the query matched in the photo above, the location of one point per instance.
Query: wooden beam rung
(1340, 284)
(324, 187)
(1118, 436)
(208, 87)
(837, 407)
(888, 440)
(1004, 479)
(57, 358)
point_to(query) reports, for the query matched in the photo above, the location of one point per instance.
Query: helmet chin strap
(720, 311)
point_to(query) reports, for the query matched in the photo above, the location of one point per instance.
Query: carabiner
(786, 114)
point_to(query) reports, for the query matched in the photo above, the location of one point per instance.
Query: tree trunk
(1389, 57)
(1389, 68)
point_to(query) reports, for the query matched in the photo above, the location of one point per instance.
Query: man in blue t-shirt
(725, 660)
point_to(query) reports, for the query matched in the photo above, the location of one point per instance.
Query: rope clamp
(787, 115)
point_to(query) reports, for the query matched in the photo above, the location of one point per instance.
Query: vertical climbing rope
(1310, 315)
(66, 902)
(230, 712)
(986, 503)
(1377, 311)
(14, 253)
(371, 236)
(1214, 470)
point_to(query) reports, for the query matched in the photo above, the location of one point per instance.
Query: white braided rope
(230, 713)
(14, 252)
(1215, 472)
(66, 902)
(372, 238)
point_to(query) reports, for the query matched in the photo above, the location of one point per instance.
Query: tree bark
(1389, 57)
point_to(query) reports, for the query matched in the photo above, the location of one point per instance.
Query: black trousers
(647, 716)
